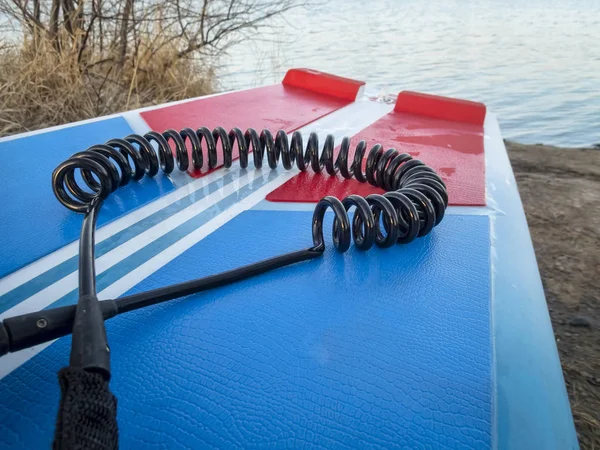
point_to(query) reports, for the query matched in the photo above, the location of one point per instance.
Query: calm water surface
(536, 63)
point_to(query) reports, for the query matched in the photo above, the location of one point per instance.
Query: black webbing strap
(87, 415)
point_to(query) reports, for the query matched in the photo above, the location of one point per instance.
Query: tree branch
(123, 33)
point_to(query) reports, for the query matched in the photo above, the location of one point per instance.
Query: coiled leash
(414, 203)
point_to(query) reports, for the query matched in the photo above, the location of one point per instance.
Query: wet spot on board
(447, 171)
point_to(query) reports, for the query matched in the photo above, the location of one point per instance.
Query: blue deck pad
(386, 348)
(34, 222)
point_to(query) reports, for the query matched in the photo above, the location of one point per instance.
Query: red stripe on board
(453, 149)
(444, 108)
(277, 107)
(323, 83)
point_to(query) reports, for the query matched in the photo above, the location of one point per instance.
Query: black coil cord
(415, 202)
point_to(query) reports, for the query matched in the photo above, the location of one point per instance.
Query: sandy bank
(560, 190)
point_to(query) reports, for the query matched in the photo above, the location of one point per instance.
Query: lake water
(535, 63)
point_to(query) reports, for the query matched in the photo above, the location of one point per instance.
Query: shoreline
(560, 191)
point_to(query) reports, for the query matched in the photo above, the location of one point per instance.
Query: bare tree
(66, 60)
(109, 30)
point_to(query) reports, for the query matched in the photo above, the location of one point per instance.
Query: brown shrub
(41, 87)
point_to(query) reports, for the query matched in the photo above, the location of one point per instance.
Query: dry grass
(41, 87)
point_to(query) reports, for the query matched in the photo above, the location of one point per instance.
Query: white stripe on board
(13, 360)
(348, 121)
(266, 205)
(136, 122)
(156, 262)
